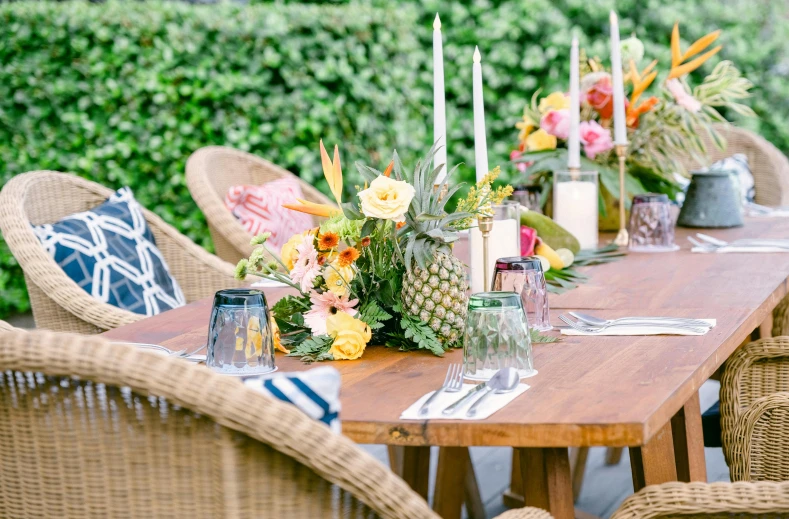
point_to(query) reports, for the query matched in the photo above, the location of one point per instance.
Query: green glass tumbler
(496, 336)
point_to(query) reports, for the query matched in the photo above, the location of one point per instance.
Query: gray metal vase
(711, 201)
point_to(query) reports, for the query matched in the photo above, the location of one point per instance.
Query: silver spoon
(596, 321)
(503, 381)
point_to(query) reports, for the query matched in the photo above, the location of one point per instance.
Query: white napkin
(777, 213)
(491, 404)
(732, 248)
(268, 283)
(641, 330)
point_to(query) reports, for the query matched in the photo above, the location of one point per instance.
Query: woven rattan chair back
(211, 171)
(94, 429)
(60, 304)
(769, 166)
(5, 327)
(753, 372)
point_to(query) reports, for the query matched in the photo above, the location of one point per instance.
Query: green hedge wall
(123, 92)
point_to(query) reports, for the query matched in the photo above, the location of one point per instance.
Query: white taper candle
(480, 141)
(620, 123)
(439, 101)
(574, 143)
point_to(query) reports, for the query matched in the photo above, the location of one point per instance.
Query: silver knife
(464, 398)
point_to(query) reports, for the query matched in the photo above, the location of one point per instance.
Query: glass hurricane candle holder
(575, 204)
(524, 276)
(651, 227)
(496, 336)
(240, 341)
(504, 240)
(529, 196)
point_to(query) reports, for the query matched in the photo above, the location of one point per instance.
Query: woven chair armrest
(525, 513)
(705, 498)
(226, 401)
(741, 445)
(5, 327)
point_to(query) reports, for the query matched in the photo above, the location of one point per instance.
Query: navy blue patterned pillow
(111, 253)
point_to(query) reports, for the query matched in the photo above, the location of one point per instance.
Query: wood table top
(615, 391)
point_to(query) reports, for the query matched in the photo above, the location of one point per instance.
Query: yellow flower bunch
(350, 336)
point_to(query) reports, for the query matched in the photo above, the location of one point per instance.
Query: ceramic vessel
(711, 202)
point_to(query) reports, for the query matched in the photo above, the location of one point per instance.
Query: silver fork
(453, 383)
(589, 329)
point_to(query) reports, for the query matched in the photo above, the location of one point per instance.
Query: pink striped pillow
(259, 209)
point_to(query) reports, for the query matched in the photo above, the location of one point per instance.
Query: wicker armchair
(769, 166)
(60, 304)
(755, 371)
(707, 500)
(211, 171)
(5, 327)
(94, 429)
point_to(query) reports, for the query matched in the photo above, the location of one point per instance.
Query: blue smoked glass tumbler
(240, 341)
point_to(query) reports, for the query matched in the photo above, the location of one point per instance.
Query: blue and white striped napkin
(316, 392)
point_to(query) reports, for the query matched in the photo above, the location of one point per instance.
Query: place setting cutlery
(705, 244)
(586, 324)
(477, 401)
(183, 354)
(763, 211)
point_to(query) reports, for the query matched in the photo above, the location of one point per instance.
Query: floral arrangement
(379, 268)
(662, 127)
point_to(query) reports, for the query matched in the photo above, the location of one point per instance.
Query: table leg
(613, 455)
(513, 498)
(654, 462)
(547, 482)
(456, 484)
(416, 469)
(689, 442)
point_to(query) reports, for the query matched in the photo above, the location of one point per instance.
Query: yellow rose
(350, 336)
(387, 198)
(540, 140)
(555, 101)
(338, 278)
(526, 126)
(275, 334)
(288, 252)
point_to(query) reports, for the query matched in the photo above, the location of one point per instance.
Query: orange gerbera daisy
(348, 256)
(328, 241)
(366, 241)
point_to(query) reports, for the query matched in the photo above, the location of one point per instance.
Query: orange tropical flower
(348, 256)
(333, 174)
(328, 241)
(634, 115)
(679, 60)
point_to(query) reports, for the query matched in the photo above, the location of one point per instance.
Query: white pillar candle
(620, 123)
(439, 102)
(480, 142)
(503, 242)
(575, 209)
(574, 143)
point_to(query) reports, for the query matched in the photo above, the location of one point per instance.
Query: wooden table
(636, 392)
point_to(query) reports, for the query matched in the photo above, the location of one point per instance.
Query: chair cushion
(316, 392)
(738, 165)
(259, 209)
(111, 253)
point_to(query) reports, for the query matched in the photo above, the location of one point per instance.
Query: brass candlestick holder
(622, 237)
(485, 224)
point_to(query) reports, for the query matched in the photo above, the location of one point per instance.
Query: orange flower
(348, 256)
(633, 115)
(366, 241)
(328, 241)
(400, 225)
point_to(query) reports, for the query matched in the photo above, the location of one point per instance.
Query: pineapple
(434, 285)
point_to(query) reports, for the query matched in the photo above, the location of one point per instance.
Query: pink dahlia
(325, 305)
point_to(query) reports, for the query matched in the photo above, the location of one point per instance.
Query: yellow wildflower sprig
(680, 65)
(481, 196)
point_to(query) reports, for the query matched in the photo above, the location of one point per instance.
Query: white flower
(682, 97)
(387, 199)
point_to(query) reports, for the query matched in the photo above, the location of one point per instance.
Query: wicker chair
(94, 429)
(755, 371)
(5, 327)
(60, 304)
(707, 500)
(769, 166)
(211, 171)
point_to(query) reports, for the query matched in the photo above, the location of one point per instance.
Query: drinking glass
(496, 336)
(240, 341)
(575, 205)
(523, 275)
(651, 227)
(529, 196)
